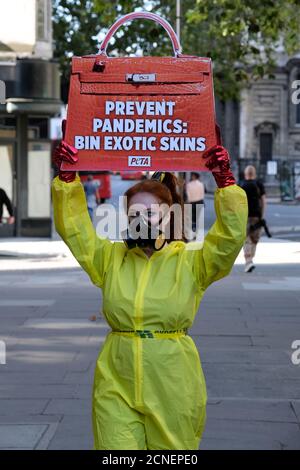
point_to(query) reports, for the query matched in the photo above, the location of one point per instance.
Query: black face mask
(142, 233)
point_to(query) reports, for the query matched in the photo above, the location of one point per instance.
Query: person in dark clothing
(256, 197)
(4, 200)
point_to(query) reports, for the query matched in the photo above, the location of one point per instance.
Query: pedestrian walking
(91, 187)
(149, 390)
(256, 197)
(195, 196)
(5, 201)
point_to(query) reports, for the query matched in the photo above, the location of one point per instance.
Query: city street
(244, 331)
(283, 219)
(106, 93)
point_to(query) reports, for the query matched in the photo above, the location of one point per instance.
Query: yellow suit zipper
(139, 323)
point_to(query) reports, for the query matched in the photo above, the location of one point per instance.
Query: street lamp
(180, 174)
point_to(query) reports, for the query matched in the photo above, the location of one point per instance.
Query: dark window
(38, 128)
(7, 127)
(265, 144)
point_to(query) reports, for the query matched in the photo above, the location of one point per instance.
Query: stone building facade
(264, 126)
(269, 128)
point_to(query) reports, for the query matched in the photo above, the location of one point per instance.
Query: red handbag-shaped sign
(151, 113)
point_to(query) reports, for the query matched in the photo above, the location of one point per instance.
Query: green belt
(152, 333)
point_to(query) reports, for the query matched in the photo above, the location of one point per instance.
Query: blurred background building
(32, 82)
(263, 129)
(260, 128)
(269, 128)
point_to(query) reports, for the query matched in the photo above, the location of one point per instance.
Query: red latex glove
(219, 164)
(67, 153)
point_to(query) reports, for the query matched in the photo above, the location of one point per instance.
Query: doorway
(266, 147)
(8, 184)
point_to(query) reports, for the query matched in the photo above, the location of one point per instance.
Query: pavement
(244, 330)
(32, 248)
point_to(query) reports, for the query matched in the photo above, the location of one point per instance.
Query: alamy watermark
(296, 93)
(2, 352)
(187, 220)
(295, 357)
(2, 92)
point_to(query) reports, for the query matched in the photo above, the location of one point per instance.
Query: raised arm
(225, 238)
(73, 222)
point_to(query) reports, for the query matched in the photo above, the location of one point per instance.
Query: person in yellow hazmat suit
(149, 390)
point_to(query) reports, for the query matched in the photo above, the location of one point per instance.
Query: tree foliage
(80, 25)
(243, 37)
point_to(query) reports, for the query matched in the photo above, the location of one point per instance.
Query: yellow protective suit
(150, 392)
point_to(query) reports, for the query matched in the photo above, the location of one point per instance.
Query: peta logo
(2, 92)
(139, 161)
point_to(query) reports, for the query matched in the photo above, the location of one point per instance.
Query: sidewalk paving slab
(243, 335)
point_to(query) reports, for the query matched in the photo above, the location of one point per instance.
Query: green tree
(241, 36)
(79, 25)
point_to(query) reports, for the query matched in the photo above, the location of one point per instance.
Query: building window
(38, 128)
(42, 20)
(38, 179)
(266, 146)
(7, 127)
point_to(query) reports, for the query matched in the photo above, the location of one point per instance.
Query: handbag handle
(145, 15)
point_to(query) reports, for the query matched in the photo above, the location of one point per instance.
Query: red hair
(166, 192)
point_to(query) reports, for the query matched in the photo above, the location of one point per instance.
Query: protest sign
(151, 113)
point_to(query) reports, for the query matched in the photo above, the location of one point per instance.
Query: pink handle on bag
(147, 16)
